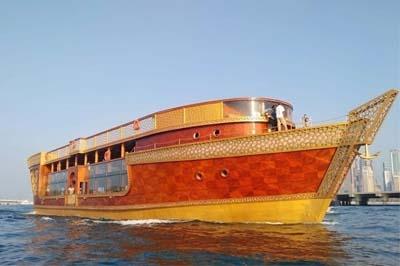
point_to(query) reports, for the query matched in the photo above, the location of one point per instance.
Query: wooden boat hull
(276, 211)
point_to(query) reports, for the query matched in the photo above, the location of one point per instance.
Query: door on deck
(71, 198)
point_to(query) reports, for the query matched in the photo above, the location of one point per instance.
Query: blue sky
(70, 69)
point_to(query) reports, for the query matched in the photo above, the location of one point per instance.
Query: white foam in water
(270, 223)
(329, 223)
(138, 222)
(47, 218)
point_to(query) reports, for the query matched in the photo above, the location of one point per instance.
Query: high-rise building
(357, 175)
(367, 172)
(387, 177)
(360, 177)
(346, 187)
(395, 164)
(395, 161)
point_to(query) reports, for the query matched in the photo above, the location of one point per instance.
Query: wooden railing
(193, 115)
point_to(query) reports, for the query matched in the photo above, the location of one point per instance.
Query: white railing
(102, 139)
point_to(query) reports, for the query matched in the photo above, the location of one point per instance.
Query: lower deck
(197, 181)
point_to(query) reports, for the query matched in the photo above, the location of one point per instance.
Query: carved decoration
(194, 203)
(34, 180)
(364, 122)
(374, 112)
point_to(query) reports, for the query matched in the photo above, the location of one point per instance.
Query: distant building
(356, 175)
(395, 163)
(367, 172)
(387, 177)
(346, 187)
(353, 180)
(361, 176)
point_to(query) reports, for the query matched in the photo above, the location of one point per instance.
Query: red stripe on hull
(182, 136)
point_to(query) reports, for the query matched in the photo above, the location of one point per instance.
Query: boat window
(129, 146)
(216, 132)
(56, 183)
(108, 177)
(196, 135)
(81, 159)
(63, 164)
(242, 108)
(253, 108)
(91, 157)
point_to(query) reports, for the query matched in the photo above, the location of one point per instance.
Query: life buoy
(136, 125)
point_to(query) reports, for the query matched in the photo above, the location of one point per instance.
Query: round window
(199, 176)
(224, 173)
(216, 132)
(196, 135)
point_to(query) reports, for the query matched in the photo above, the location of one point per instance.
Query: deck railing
(200, 114)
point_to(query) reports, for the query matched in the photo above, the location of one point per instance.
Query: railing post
(121, 132)
(122, 150)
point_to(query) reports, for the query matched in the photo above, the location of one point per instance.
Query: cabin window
(63, 164)
(196, 135)
(56, 183)
(107, 177)
(81, 159)
(243, 108)
(129, 146)
(91, 157)
(253, 108)
(216, 132)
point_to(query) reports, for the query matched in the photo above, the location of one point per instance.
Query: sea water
(349, 235)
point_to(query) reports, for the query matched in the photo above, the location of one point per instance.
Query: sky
(70, 69)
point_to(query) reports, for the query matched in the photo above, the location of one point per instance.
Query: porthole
(216, 132)
(224, 173)
(199, 176)
(196, 135)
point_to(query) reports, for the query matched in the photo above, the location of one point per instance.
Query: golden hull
(280, 211)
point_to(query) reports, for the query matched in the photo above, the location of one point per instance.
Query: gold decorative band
(188, 203)
(285, 141)
(364, 123)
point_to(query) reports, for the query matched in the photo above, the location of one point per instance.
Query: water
(349, 235)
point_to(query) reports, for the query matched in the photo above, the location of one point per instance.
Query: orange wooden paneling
(257, 175)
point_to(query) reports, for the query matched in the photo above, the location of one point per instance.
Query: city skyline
(363, 177)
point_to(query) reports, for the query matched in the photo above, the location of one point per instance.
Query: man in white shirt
(279, 117)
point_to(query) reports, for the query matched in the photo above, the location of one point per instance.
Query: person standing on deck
(279, 117)
(107, 155)
(306, 120)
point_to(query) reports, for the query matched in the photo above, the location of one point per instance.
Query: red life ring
(136, 125)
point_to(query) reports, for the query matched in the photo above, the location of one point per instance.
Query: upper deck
(245, 109)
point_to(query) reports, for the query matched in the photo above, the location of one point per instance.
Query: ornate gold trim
(364, 122)
(285, 141)
(189, 203)
(374, 112)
